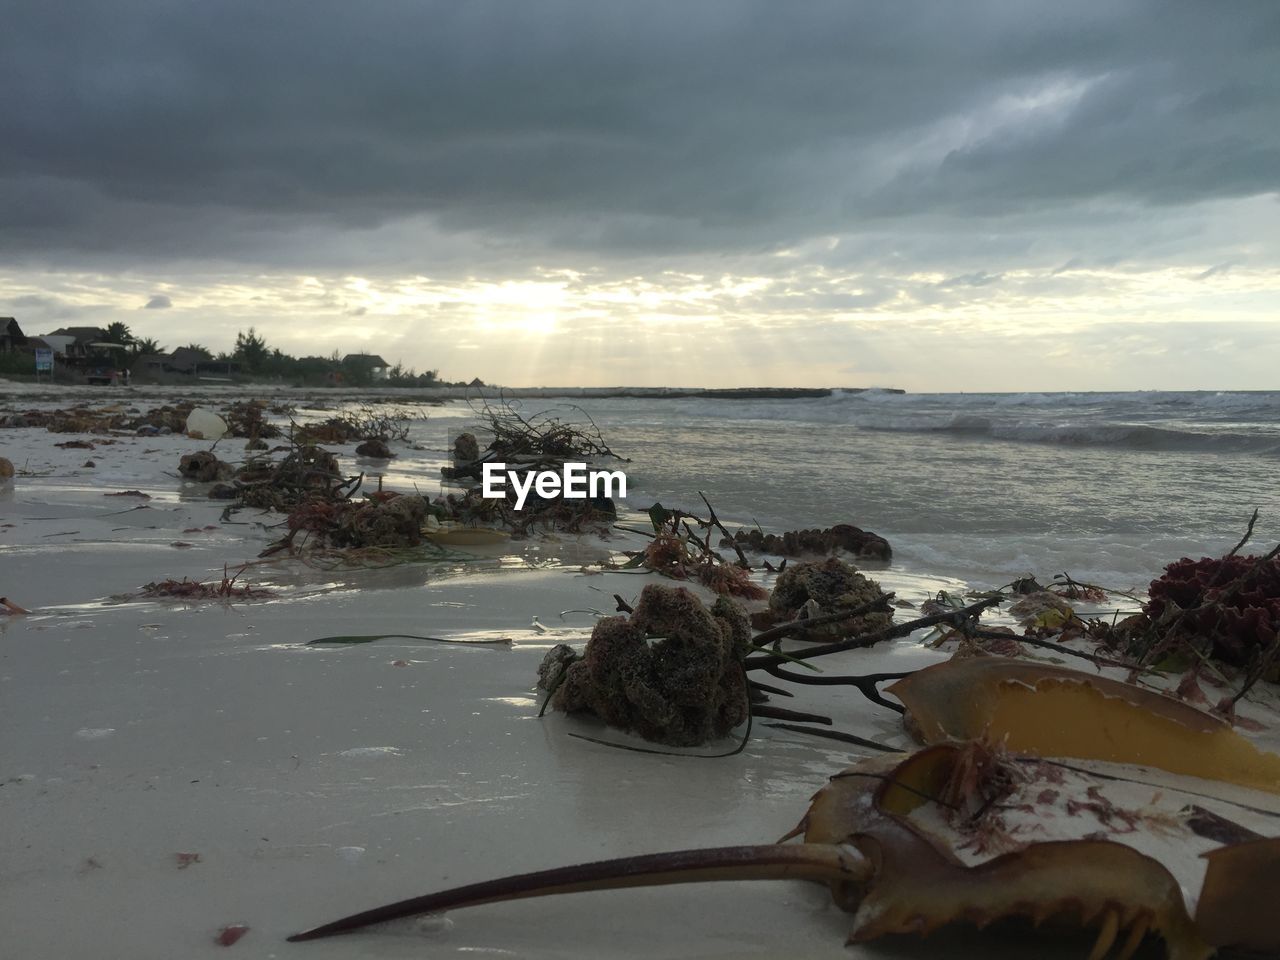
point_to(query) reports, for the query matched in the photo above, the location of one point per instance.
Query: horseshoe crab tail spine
(824, 863)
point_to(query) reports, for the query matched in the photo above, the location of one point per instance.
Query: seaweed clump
(1227, 608)
(307, 473)
(862, 544)
(671, 672)
(822, 587)
(389, 521)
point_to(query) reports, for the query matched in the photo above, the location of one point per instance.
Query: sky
(989, 195)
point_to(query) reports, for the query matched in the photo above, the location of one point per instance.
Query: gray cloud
(484, 135)
(159, 302)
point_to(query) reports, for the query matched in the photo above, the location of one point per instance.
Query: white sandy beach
(309, 782)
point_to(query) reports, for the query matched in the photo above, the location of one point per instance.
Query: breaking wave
(1084, 433)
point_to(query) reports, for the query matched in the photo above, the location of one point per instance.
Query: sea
(979, 488)
(983, 488)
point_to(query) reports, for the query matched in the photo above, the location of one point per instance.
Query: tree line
(254, 358)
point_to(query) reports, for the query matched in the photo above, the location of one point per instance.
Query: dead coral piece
(671, 672)
(466, 448)
(204, 467)
(822, 587)
(861, 544)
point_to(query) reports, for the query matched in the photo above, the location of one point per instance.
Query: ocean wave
(1085, 433)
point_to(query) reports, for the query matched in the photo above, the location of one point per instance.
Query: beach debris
(204, 424)
(186, 589)
(861, 544)
(395, 521)
(230, 935)
(1042, 608)
(970, 833)
(1054, 711)
(6, 469)
(375, 448)
(527, 446)
(1225, 608)
(185, 860)
(670, 672)
(466, 448)
(7, 607)
(562, 434)
(371, 638)
(242, 419)
(248, 420)
(204, 467)
(808, 590)
(307, 474)
(363, 423)
(681, 549)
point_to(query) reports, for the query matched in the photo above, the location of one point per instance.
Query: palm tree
(118, 332)
(145, 346)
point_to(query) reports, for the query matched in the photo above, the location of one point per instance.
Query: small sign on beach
(44, 359)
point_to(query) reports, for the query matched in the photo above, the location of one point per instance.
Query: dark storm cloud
(262, 131)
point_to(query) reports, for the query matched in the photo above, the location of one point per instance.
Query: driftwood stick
(715, 522)
(795, 626)
(835, 735)
(866, 683)
(781, 713)
(1050, 645)
(755, 685)
(957, 617)
(1247, 534)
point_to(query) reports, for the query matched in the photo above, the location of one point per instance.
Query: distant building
(11, 335)
(185, 360)
(74, 342)
(377, 368)
(150, 364)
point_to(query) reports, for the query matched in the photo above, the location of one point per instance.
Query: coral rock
(204, 467)
(466, 447)
(375, 448)
(862, 544)
(671, 672)
(830, 584)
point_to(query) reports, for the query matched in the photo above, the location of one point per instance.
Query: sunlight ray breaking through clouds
(922, 196)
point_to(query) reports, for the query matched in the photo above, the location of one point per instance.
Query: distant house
(185, 360)
(11, 335)
(150, 364)
(377, 368)
(74, 342)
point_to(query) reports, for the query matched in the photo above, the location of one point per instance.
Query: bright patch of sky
(989, 196)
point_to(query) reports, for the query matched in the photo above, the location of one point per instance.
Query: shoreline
(453, 392)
